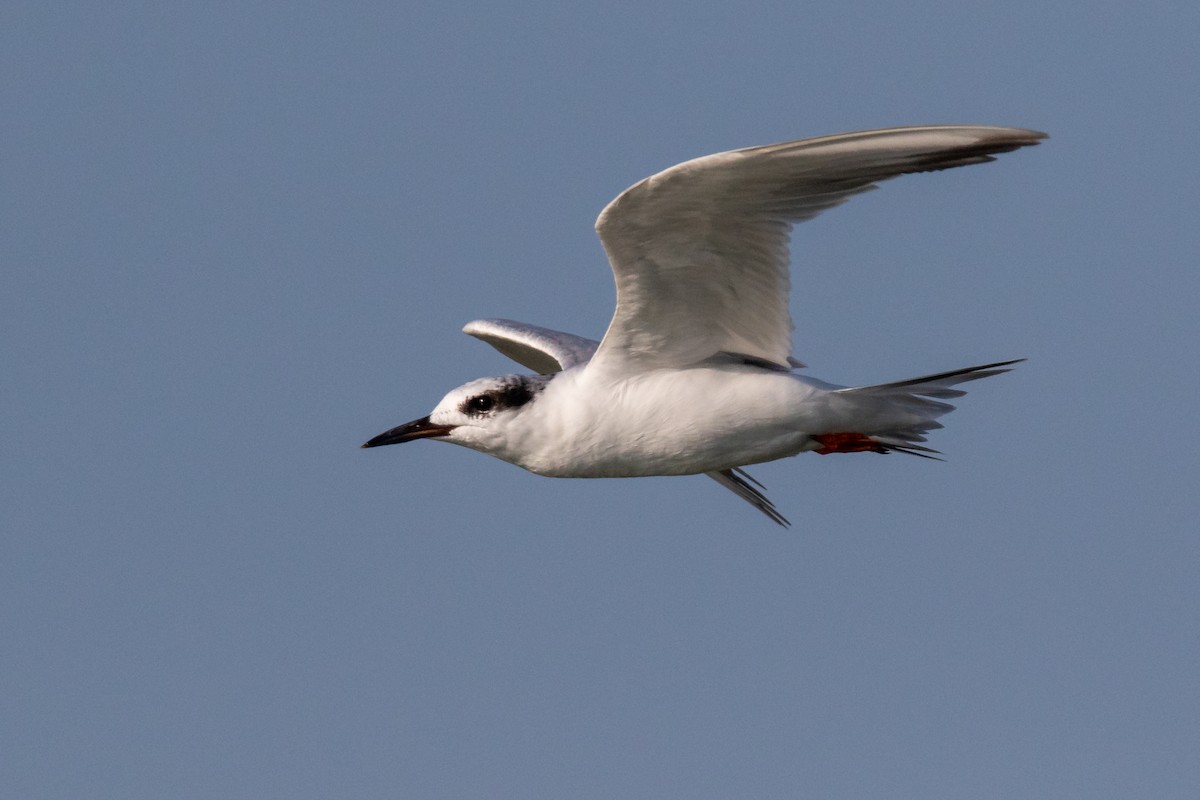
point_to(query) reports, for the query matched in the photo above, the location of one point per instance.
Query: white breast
(670, 422)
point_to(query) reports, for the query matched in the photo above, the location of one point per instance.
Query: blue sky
(240, 239)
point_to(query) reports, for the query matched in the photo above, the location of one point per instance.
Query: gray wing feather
(700, 251)
(543, 350)
(740, 483)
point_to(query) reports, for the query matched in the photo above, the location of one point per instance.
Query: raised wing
(540, 349)
(700, 251)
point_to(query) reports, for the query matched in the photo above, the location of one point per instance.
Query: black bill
(417, 429)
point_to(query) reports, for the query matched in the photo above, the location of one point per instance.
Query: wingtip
(741, 483)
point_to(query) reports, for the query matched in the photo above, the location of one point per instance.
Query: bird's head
(476, 415)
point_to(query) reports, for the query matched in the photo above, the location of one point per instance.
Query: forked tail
(896, 416)
(888, 417)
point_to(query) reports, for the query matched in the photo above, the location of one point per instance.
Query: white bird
(695, 373)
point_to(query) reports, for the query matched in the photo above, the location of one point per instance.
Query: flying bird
(695, 373)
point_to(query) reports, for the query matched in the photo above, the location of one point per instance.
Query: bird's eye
(481, 403)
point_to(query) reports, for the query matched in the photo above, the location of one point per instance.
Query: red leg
(847, 443)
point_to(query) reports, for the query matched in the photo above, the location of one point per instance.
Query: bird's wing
(700, 251)
(740, 483)
(540, 349)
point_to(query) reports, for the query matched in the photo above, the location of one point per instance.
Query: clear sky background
(238, 239)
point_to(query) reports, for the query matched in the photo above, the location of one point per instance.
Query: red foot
(848, 443)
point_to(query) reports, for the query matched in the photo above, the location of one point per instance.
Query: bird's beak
(417, 429)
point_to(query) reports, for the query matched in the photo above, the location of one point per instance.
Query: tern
(695, 373)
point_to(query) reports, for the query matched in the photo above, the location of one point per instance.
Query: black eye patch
(514, 395)
(480, 404)
(511, 395)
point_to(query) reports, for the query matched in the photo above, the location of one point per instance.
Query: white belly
(670, 423)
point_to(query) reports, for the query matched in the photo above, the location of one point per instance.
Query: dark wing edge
(744, 486)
